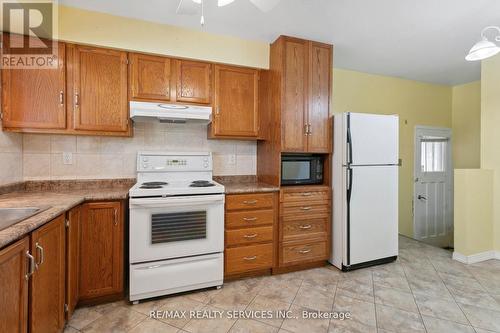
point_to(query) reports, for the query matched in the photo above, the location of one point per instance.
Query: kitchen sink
(10, 216)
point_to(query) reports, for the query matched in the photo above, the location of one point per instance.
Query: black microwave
(301, 169)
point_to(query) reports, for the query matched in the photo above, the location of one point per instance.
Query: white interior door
(433, 193)
(373, 214)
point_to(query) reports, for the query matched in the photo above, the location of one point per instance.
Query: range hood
(170, 113)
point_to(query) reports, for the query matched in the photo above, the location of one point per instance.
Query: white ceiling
(424, 40)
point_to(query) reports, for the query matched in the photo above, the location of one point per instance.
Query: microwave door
(295, 171)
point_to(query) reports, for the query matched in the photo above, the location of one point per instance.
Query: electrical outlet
(67, 158)
(232, 159)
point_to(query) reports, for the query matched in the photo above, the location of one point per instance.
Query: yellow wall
(466, 125)
(90, 27)
(473, 211)
(490, 133)
(416, 103)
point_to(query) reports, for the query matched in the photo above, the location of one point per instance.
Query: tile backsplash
(11, 157)
(110, 157)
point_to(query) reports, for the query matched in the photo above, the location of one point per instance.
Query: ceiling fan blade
(265, 5)
(187, 7)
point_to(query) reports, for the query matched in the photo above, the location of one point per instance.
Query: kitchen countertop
(244, 184)
(59, 199)
(61, 196)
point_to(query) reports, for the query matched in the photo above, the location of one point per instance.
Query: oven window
(296, 170)
(175, 227)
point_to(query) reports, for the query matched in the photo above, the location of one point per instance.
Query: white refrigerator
(365, 190)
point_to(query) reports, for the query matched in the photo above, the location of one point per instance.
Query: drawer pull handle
(306, 208)
(250, 202)
(250, 258)
(306, 194)
(305, 251)
(305, 226)
(251, 236)
(248, 219)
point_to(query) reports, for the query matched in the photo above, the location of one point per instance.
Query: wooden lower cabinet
(101, 250)
(14, 287)
(305, 225)
(250, 233)
(73, 221)
(47, 284)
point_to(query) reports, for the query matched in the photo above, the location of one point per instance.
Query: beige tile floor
(423, 291)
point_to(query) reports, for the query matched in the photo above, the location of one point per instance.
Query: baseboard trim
(478, 257)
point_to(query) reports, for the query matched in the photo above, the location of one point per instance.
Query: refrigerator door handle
(349, 141)
(349, 184)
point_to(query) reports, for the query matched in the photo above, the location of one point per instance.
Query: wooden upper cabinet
(14, 287)
(35, 98)
(306, 74)
(101, 250)
(194, 83)
(294, 103)
(320, 73)
(150, 77)
(100, 100)
(47, 292)
(236, 102)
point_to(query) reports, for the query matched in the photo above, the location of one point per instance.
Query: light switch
(67, 158)
(232, 159)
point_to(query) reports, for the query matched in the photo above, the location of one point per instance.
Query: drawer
(301, 196)
(303, 252)
(249, 218)
(300, 229)
(249, 235)
(249, 201)
(248, 258)
(305, 211)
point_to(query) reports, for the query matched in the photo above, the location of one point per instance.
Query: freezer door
(373, 214)
(374, 139)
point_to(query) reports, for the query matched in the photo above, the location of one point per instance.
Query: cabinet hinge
(66, 308)
(67, 223)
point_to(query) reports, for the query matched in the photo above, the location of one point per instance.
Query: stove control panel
(164, 162)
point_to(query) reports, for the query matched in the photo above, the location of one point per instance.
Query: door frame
(446, 132)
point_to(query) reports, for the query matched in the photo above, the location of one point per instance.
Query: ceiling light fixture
(484, 48)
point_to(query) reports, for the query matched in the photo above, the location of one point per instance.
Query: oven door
(174, 227)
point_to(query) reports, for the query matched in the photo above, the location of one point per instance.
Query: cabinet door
(101, 250)
(236, 102)
(194, 82)
(294, 104)
(72, 258)
(35, 98)
(14, 287)
(150, 77)
(100, 99)
(320, 71)
(47, 292)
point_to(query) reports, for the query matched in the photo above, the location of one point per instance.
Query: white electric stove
(176, 225)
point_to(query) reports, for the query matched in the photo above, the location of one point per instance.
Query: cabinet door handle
(250, 258)
(250, 202)
(77, 100)
(309, 131)
(217, 110)
(41, 254)
(115, 212)
(305, 208)
(249, 219)
(61, 97)
(31, 265)
(251, 236)
(305, 251)
(305, 226)
(305, 129)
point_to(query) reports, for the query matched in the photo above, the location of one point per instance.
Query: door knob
(421, 197)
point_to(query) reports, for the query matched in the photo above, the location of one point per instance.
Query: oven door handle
(176, 201)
